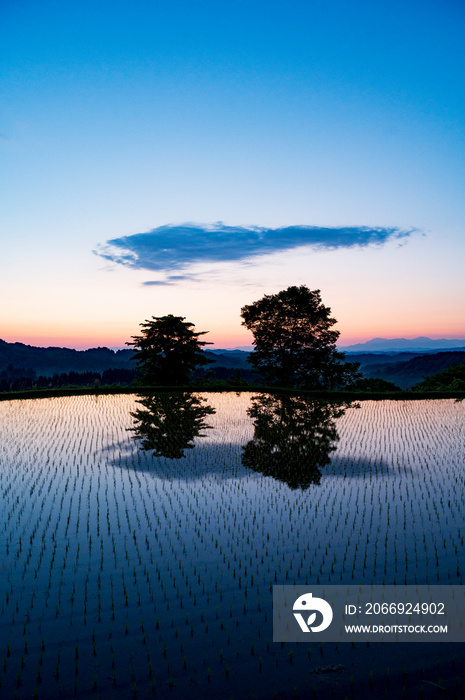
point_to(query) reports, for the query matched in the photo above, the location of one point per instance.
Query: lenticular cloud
(176, 247)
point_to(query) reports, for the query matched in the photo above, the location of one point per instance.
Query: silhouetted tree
(295, 344)
(374, 384)
(168, 423)
(293, 438)
(452, 379)
(167, 351)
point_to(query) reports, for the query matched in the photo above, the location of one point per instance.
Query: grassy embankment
(225, 386)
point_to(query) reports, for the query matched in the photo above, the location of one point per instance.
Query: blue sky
(125, 119)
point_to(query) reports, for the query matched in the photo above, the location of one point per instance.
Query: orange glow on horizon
(111, 341)
(218, 341)
(64, 341)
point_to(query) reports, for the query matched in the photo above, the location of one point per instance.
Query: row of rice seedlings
(170, 561)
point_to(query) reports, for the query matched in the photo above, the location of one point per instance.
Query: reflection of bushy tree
(168, 423)
(293, 438)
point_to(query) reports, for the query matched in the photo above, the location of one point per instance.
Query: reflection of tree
(168, 423)
(293, 438)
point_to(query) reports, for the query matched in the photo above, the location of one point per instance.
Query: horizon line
(56, 343)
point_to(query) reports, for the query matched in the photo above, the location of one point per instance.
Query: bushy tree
(452, 379)
(295, 343)
(167, 351)
(374, 384)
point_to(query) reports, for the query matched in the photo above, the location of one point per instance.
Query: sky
(189, 157)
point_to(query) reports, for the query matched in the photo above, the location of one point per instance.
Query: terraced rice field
(138, 552)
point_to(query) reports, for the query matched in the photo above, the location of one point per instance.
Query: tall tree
(167, 351)
(295, 344)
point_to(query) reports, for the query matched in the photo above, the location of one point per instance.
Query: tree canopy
(374, 384)
(452, 379)
(294, 339)
(167, 351)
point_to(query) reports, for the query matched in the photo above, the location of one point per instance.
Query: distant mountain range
(404, 367)
(420, 344)
(240, 348)
(48, 361)
(52, 360)
(407, 369)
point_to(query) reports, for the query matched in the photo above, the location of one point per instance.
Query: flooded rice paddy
(140, 540)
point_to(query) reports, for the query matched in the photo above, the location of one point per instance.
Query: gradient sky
(188, 157)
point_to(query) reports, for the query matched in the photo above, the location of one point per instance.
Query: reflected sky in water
(234, 490)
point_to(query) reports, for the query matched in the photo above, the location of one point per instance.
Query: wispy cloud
(157, 283)
(175, 247)
(170, 280)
